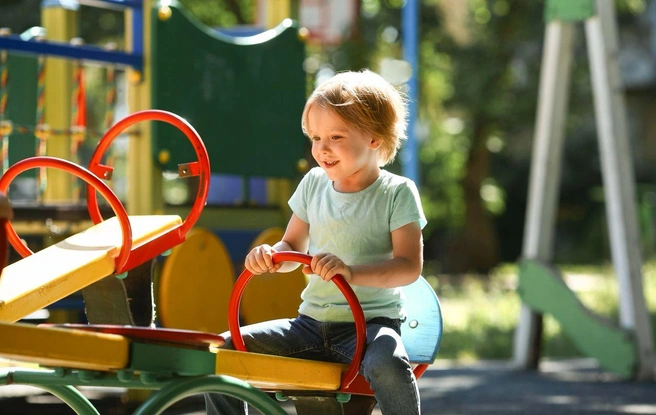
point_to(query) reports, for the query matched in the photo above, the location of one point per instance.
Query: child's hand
(326, 266)
(260, 260)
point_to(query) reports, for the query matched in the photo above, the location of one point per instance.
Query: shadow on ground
(560, 387)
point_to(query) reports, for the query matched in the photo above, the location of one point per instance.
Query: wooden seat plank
(74, 263)
(279, 373)
(58, 347)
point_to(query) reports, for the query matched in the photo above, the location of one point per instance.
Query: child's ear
(375, 143)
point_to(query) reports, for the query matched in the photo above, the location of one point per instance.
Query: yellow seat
(74, 263)
(279, 373)
(63, 348)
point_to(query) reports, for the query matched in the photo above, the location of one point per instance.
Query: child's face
(349, 157)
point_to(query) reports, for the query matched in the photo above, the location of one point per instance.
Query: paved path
(482, 388)
(563, 387)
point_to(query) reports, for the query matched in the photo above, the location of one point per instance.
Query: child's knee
(380, 367)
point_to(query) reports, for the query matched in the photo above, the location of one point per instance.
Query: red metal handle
(200, 168)
(344, 287)
(92, 181)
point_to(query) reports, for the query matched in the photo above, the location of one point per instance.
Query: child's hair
(366, 101)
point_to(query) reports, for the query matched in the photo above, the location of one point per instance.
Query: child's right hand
(260, 260)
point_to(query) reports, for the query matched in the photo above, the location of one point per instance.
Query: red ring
(345, 288)
(92, 181)
(189, 132)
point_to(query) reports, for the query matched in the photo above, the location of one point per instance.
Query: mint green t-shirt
(357, 228)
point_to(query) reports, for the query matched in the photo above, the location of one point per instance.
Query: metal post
(618, 177)
(545, 172)
(410, 24)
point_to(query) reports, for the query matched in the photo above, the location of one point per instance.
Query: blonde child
(357, 220)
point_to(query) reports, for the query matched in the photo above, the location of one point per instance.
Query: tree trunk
(477, 247)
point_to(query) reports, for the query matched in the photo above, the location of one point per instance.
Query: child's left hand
(327, 265)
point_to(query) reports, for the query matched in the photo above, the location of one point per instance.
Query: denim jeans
(384, 365)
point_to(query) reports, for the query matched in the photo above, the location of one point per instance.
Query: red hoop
(344, 287)
(200, 168)
(92, 181)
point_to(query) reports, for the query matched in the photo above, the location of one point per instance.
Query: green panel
(569, 10)
(544, 290)
(21, 106)
(244, 96)
(158, 359)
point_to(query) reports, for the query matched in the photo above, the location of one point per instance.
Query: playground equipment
(86, 258)
(176, 363)
(206, 254)
(250, 89)
(179, 363)
(627, 350)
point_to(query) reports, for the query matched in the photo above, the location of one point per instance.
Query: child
(356, 220)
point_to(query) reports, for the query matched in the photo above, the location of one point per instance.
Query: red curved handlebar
(345, 288)
(92, 181)
(182, 125)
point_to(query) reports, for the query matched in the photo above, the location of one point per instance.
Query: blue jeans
(385, 363)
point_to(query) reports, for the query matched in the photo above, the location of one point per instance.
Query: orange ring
(92, 181)
(189, 131)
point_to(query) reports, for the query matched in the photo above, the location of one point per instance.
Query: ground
(575, 386)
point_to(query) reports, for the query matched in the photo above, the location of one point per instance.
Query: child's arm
(403, 269)
(296, 238)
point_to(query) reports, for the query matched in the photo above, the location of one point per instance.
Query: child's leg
(385, 366)
(299, 337)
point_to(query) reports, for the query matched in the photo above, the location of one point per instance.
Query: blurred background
(478, 69)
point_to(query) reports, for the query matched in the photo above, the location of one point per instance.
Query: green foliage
(226, 13)
(480, 314)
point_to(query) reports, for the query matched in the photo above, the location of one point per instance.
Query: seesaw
(180, 363)
(111, 247)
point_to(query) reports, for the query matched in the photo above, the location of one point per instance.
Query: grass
(481, 312)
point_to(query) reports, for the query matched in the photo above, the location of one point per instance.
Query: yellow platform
(55, 272)
(63, 348)
(279, 373)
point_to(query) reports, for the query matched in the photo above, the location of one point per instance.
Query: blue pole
(410, 30)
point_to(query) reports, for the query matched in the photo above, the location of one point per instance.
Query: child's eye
(335, 137)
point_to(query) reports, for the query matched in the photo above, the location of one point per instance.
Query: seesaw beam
(94, 350)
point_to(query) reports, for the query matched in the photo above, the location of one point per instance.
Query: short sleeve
(407, 206)
(298, 201)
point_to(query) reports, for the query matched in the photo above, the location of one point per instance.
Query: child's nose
(323, 146)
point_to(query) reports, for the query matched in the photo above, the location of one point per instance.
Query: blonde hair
(367, 102)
